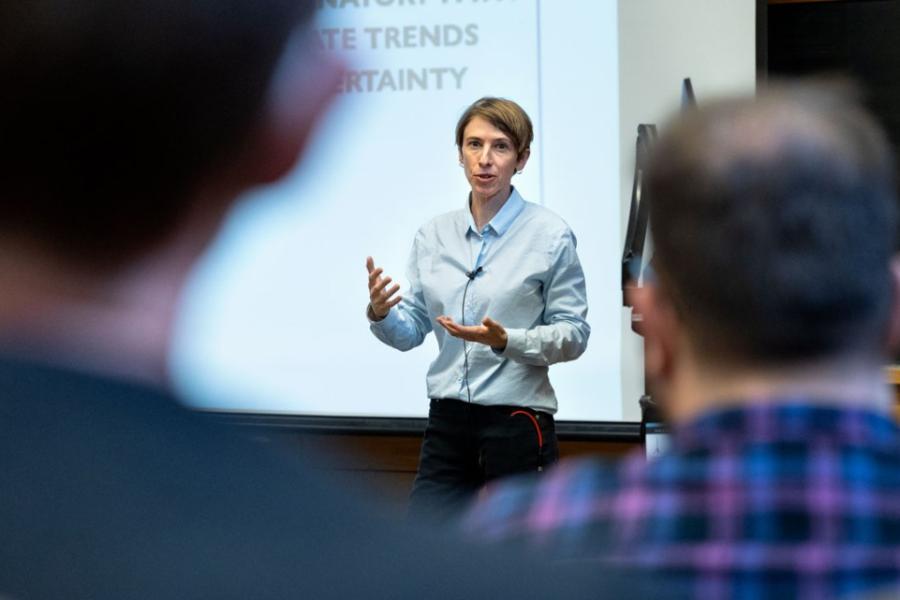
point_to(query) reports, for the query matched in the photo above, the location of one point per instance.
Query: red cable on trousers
(534, 422)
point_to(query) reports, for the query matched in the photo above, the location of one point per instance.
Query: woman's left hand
(489, 333)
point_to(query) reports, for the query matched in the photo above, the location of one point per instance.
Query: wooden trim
(893, 374)
(400, 454)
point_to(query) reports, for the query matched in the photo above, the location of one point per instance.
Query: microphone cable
(471, 275)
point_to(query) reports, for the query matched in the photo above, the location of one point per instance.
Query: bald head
(774, 224)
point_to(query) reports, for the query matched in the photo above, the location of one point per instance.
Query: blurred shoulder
(532, 506)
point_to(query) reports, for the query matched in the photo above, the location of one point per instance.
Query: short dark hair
(774, 223)
(111, 110)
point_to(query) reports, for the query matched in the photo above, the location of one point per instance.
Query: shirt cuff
(515, 344)
(388, 320)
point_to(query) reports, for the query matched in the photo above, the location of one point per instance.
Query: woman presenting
(500, 284)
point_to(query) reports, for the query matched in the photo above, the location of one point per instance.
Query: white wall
(661, 42)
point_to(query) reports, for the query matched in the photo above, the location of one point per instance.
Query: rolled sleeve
(388, 322)
(406, 325)
(564, 334)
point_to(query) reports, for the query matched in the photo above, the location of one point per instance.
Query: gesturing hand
(490, 332)
(381, 297)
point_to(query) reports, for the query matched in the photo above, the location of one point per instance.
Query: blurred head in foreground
(774, 228)
(126, 132)
(768, 319)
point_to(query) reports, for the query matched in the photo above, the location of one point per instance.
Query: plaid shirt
(774, 501)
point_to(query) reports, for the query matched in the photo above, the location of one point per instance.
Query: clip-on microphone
(473, 274)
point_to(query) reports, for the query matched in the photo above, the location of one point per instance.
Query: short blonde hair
(505, 115)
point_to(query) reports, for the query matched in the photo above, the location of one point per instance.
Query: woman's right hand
(381, 297)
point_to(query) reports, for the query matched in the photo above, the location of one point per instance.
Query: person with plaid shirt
(773, 307)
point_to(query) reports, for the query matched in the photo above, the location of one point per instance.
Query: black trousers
(469, 444)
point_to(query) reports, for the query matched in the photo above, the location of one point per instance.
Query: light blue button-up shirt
(530, 282)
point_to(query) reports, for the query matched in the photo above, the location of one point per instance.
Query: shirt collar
(785, 419)
(504, 218)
